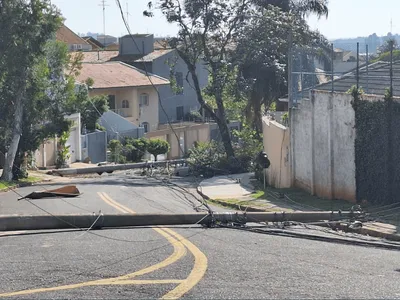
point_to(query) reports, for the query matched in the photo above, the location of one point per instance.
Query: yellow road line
(197, 273)
(115, 204)
(156, 281)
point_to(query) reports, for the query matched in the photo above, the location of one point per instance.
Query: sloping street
(180, 261)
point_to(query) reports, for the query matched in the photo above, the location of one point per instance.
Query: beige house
(130, 92)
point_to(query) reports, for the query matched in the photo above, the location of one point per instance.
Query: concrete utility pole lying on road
(111, 168)
(13, 223)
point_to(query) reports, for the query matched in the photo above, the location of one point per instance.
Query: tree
(90, 108)
(388, 46)
(157, 147)
(207, 31)
(261, 54)
(25, 29)
(300, 7)
(47, 93)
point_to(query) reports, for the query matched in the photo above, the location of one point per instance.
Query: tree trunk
(220, 118)
(16, 132)
(223, 127)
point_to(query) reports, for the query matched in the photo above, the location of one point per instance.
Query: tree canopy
(248, 38)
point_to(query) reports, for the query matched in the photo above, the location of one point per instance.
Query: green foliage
(285, 119)
(234, 101)
(62, 150)
(135, 149)
(129, 150)
(385, 56)
(26, 28)
(261, 53)
(209, 159)
(99, 127)
(157, 147)
(204, 158)
(91, 108)
(377, 156)
(116, 148)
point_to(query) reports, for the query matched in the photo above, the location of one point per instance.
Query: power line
(148, 75)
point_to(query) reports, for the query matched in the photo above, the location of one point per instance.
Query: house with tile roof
(74, 41)
(130, 92)
(96, 45)
(157, 58)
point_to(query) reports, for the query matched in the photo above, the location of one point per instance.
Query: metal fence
(336, 69)
(94, 146)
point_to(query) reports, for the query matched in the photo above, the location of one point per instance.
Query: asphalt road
(189, 262)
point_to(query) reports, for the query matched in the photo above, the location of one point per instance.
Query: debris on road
(68, 191)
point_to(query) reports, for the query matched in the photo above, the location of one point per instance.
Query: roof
(66, 35)
(138, 35)
(376, 81)
(98, 56)
(117, 75)
(112, 46)
(147, 58)
(95, 43)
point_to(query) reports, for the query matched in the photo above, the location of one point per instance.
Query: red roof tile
(66, 35)
(98, 56)
(117, 74)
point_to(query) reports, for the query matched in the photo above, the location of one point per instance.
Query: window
(111, 101)
(179, 83)
(179, 113)
(145, 125)
(144, 100)
(125, 104)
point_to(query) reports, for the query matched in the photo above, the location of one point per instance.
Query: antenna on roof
(127, 13)
(391, 25)
(103, 4)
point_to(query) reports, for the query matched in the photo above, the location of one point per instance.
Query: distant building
(107, 39)
(129, 91)
(142, 51)
(96, 45)
(155, 56)
(74, 41)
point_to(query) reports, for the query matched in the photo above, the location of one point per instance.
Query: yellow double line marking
(179, 244)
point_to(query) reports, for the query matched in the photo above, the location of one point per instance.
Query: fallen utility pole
(13, 222)
(111, 168)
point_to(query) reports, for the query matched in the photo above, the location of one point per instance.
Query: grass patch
(6, 185)
(235, 203)
(299, 199)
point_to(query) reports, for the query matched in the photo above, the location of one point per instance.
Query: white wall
(75, 136)
(276, 141)
(323, 145)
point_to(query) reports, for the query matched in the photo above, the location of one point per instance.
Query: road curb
(363, 230)
(17, 186)
(376, 233)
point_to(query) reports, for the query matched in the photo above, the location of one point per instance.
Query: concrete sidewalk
(238, 187)
(227, 187)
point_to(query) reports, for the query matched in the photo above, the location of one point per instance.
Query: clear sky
(347, 18)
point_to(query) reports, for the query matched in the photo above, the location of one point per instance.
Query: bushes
(209, 159)
(157, 147)
(133, 150)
